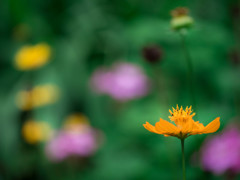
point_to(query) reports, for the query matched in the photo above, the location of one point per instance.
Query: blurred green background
(87, 34)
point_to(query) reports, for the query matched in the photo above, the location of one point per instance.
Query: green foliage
(86, 34)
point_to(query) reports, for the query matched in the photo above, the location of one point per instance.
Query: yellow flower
(38, 96)
(77, 123)
(34, 131)
(75, 119)
(32, 57)
(185, 125)
(180, 18)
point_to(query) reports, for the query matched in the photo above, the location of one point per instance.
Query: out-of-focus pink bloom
(124, 81)
(72, 143)
(221, 153)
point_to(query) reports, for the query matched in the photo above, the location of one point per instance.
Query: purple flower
(124, 81)
(71, 143)
(221, 153)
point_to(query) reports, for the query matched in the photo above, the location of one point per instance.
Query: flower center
(180, 116)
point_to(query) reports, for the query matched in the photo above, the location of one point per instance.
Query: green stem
(190, 68)
(183, 160)
(160, 84)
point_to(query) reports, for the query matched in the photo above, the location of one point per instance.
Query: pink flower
(71, 143)
(221, 153)
(124, 81)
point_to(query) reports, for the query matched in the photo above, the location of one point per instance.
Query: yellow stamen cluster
(180, 116)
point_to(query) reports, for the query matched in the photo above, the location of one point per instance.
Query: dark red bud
(152, 53)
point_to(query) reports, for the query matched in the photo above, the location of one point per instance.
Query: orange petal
(187, 127)
(197, 128)
(150, 127)
(212, 126)
(165, 127)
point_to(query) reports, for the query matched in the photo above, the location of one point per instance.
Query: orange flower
(185, 125)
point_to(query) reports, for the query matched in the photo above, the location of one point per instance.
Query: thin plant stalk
(183, 160)
(189, 67)
(160, 84)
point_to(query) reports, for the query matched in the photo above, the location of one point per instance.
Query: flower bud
(234, 57)
(235, 12)
(152, 53)
(181, 19)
